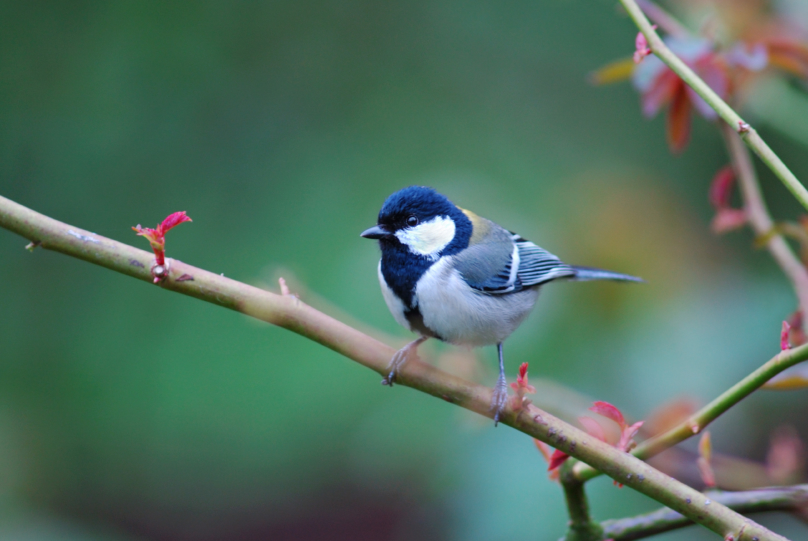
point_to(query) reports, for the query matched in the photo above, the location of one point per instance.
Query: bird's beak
(375, 232)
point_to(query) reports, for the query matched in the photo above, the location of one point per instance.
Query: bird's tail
(588, 273)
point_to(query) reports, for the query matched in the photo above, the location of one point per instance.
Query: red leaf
(544, 449)
(173, 220)
(660, 92)
(721, 187)
(154, 236)
(727, 219)
(627, 436)
(706, 471)
(523, 370)
(592, 428)
(788, 55)
(609, 411)
(679, 119)
(558, 458)
(521, 385)
(703, 462)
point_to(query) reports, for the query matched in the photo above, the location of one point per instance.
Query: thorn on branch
(743, 127)
(32, 245)
(284, 287)
(160, 272)
(784, 344)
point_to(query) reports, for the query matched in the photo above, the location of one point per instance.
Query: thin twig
(665, 520)
(749, 134)
(699, 420)
(760, 219)
(290, 313)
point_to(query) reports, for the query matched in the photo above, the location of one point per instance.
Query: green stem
(665, 520)
(699, 420)
(289, 312)
(749, 134)
(581, 525)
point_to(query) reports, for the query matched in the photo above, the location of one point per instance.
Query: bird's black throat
(402, 269)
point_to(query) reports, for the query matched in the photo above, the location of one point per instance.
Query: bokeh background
(129, 413)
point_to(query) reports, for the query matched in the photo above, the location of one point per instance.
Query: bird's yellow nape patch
(428, 238)
(479, 226)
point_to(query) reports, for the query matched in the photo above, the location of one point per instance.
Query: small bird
(449, 274)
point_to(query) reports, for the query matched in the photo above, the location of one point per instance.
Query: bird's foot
(499, 398)
(399, 359)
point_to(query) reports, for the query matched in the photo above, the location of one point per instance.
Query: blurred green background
(129, 413)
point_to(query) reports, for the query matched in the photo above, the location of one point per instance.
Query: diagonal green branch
(290, 313)
(664, 520)
(699, 420)
(749, 134)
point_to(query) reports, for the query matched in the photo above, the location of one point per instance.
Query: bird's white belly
(462, 315)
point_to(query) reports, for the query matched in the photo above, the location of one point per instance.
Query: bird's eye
(412, 221)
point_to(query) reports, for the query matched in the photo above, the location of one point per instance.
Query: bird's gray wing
(537, 266)
(487, 265)
(498, 261)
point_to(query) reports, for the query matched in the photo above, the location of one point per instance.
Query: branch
(581, 525)
(749, 134)
(699, 420)
(761, 221)
(665, 520)
(292, 314)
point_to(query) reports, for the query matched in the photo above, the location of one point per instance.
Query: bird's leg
(500, 396)
(399, 359)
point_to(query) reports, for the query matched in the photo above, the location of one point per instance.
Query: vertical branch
(761, 221)
(581, 525)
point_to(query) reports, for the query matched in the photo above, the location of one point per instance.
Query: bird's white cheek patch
(428, 238)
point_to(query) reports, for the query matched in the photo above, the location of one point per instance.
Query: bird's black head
(423, 221)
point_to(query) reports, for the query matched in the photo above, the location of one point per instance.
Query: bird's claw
(499, 399)
(396, 363)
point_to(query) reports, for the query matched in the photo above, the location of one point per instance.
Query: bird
(449, 274)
